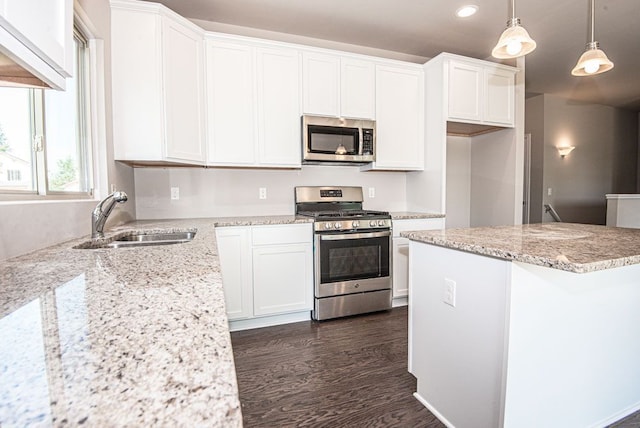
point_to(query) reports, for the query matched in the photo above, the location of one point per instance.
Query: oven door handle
(355, 236)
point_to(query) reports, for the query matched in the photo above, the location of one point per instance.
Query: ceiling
(424, 28)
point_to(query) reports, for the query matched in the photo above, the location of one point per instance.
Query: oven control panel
(352, 225)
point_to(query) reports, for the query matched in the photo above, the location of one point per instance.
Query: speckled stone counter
(571, 247)
(118, 337)
(260, 220)
(409, 215)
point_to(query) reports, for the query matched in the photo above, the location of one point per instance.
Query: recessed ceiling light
(466, 11)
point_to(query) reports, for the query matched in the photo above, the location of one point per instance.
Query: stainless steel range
(352, 252)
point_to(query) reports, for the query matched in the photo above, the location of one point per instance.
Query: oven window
(350, 259)
(327, 139)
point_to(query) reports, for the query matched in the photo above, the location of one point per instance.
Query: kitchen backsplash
(234, 192)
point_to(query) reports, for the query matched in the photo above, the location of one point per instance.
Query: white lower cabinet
(267, 273)
(234, 244)
(401, 251)
(281, 279)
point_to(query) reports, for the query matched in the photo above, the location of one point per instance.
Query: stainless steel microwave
(332, 139)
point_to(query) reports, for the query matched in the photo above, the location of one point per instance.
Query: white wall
(494, 179)
(604, 161)
(458, 206)
(234, 192)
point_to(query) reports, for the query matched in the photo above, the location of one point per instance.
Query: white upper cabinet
(183, 87)
(499, 96)
(38, 36)
(321, 83)
(400, 118)
(338, 86)
(357, 88)
(231, 130)
(253, 100)
(158, 85)
(465, 91)
(480, 92)
(278, 104)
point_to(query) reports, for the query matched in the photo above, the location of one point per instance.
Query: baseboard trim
(617, 416)
(237, 325)
(400, 301)
(433, 410)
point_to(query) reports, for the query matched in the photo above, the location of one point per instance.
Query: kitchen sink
(141, 239)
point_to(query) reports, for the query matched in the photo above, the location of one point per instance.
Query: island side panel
(457, 353)
(574, 347)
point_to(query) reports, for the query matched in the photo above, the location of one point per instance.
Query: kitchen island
(120, 336)
(526, 326)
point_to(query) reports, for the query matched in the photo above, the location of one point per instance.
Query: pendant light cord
(593, 20)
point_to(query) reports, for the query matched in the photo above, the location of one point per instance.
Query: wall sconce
(564, 151)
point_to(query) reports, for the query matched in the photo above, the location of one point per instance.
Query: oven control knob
(327, 225)
(355, 224)
(380, 222)
(337, 225)
(372, 223)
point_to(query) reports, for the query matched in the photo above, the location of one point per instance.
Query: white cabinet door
(234, 253)
(282, 279)
(401, 250)
(357, 89)
(45, 28)
(400, 267)
(278, 101)
(465, 92)
(184, 92)
(157, 85)
(321, 82)
(137, 96)
(399, 118)
(499, 97)
(231, 130)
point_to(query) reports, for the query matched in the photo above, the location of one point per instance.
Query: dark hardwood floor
(350, 372)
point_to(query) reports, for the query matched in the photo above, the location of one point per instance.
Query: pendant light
(593, 60)
(514, 41)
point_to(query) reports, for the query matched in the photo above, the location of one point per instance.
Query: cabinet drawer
(282, 234)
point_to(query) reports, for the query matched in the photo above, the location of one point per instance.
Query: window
(45, 148)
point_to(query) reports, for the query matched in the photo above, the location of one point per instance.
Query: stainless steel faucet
(102, 211)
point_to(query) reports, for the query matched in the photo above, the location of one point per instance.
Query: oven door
(352, 262)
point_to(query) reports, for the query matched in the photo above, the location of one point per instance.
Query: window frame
(84, 132)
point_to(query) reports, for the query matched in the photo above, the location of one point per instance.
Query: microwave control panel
(367, 141)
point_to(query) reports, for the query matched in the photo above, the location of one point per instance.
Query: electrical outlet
(262, 193)
(449, 292)
(549, 191)
(372, 192)
(113, 188)
(175, 193)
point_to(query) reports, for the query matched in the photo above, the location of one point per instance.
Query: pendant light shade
(514, 41)
(593, 60)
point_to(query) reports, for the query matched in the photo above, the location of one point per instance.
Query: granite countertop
(571, 247)
(118, 337)
(261, 220)
(408, 215)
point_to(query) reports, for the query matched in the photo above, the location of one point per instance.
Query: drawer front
(282, 234)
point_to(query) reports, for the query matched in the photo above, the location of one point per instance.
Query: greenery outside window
(45, 147)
